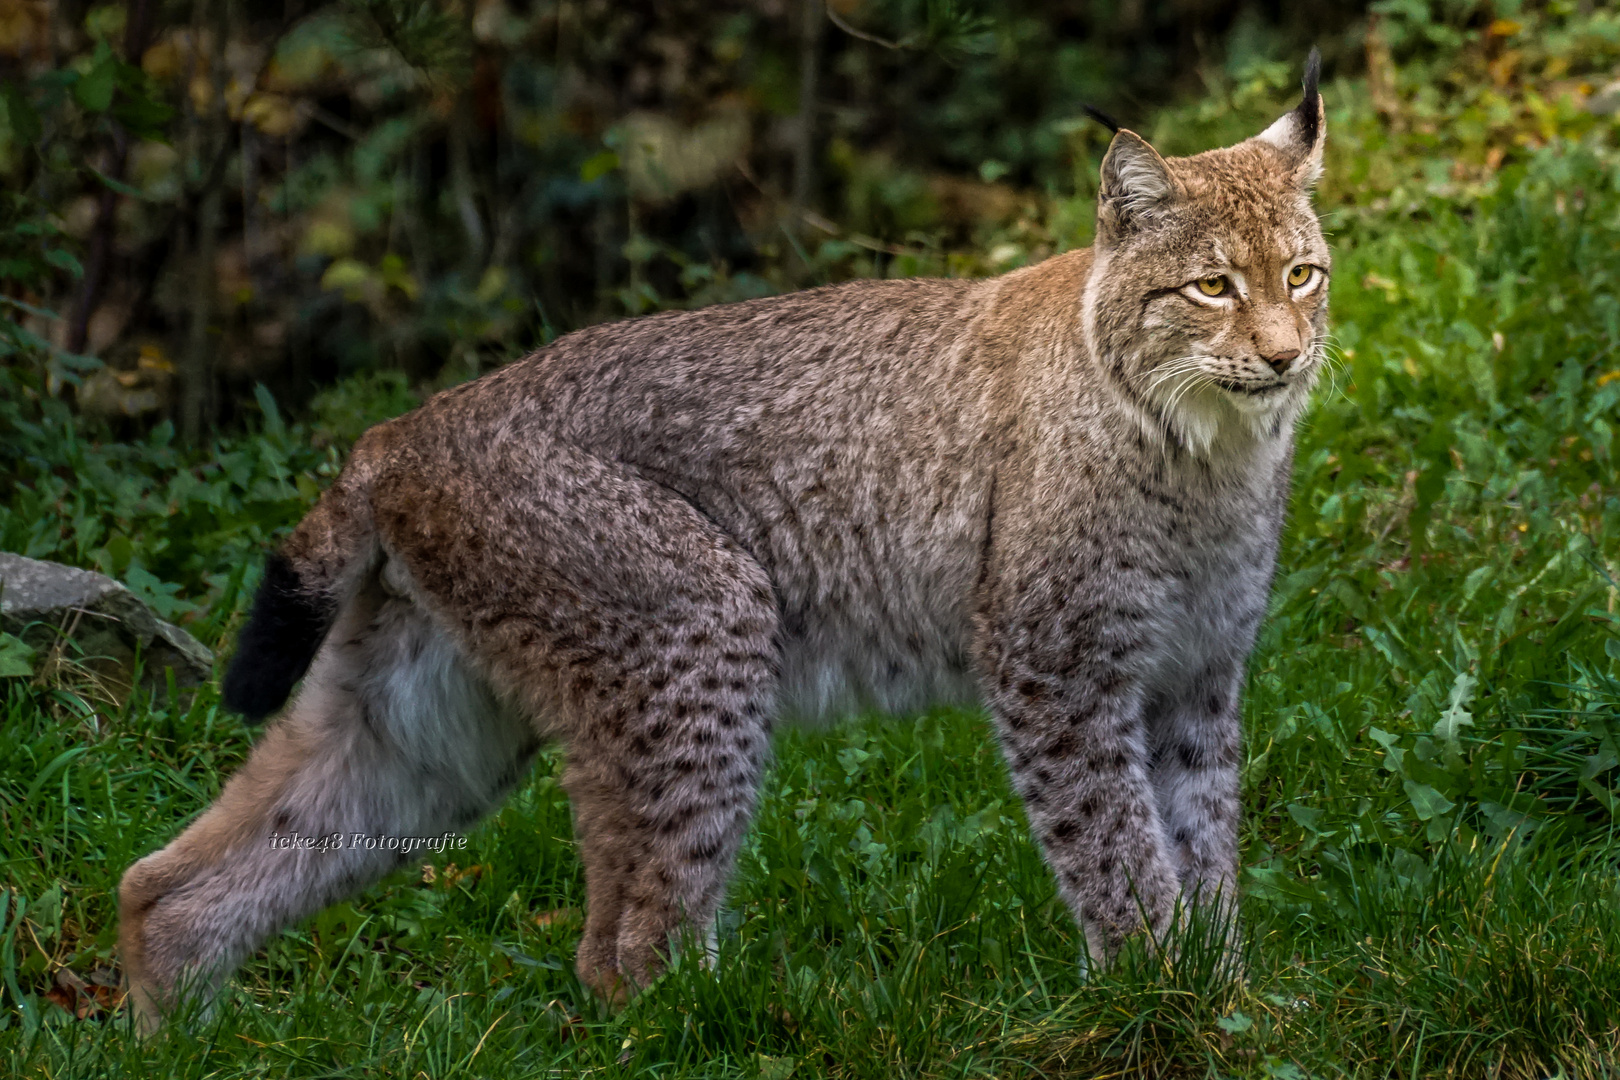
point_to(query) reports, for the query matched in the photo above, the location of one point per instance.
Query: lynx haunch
(1057, 492)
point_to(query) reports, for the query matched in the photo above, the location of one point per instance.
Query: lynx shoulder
(1057, 492)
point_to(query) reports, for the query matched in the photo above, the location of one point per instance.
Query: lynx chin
(1057, 493)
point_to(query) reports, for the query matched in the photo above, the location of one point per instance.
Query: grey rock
(1605, 102)
(42, 601)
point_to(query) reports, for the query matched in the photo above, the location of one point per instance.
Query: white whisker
(1164, 377)
(1164, 365)
(1181, 365)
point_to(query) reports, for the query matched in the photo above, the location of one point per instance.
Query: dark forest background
(214, 194)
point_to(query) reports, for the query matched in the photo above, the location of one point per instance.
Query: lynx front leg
(1195, 736)
(1067, 703)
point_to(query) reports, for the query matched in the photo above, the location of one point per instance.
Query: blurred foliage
(214, 195)
(180, 528)
(288, 192)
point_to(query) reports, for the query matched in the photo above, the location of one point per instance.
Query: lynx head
(1207, 304)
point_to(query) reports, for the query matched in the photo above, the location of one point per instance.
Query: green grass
(1430, 788)
(891, 918)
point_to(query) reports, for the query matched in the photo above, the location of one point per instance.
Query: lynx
(1057, 493)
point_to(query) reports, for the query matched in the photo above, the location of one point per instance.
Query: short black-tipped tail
(278, 643)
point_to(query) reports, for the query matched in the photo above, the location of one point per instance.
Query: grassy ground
(1430, 785)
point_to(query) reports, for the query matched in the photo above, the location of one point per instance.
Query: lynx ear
(1301, 132)
(1136, 184)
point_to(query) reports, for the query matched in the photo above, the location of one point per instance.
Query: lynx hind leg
(392, 735)
(649, 635)
(660, 816)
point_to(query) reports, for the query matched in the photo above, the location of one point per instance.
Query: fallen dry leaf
(566, 916)
(86, 1000)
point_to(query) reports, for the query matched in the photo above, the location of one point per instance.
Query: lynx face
(1211, 310)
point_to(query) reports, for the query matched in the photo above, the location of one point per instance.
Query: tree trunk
(101, 236)
(197, 369)
(197, 372)
(812, 18)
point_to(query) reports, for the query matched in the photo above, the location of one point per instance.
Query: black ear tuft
(1102, 118)
(1310, 108)
(278, 643)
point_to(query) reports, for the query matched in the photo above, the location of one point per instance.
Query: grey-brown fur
(653, 539)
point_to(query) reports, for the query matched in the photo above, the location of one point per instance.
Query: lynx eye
(1300, 274)
(1214, 285)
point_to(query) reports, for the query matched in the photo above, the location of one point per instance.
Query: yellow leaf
(394, 274)
(24, 28)
(153, 358)
(598, 165)
(201, 89)
(345, 274)
(297, 68)
(273, 114)
(558, 917)
(162, 61)
(492, 285)
(236, 95)
(328, 237)
(106, 22)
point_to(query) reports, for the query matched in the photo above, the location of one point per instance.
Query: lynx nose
(1279, 361)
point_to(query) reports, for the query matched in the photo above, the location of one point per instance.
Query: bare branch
(838, 21)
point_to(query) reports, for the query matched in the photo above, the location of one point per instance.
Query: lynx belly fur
(1057, 492)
